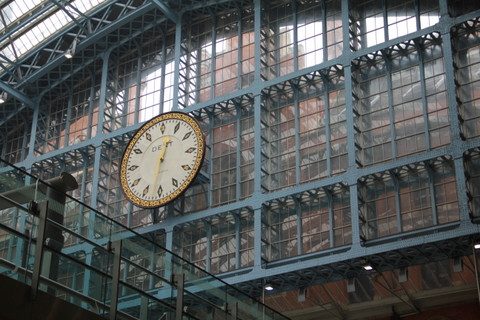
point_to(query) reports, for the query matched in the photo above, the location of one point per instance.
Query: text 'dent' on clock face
(162, 159)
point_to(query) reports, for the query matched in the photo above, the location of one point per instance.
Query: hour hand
(166, 141)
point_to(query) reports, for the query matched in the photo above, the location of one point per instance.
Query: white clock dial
(162, 159)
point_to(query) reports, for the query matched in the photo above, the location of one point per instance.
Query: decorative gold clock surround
(145, 129)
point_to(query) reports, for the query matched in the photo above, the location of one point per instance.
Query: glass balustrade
(98, 264)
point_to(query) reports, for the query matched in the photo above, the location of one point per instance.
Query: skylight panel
(18, 8)
(38, 31)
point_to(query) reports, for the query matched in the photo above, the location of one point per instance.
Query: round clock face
(162, 159)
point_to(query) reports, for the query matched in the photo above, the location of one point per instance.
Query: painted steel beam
(205, 4)
(89, 40)
(350, 255)
(169, 13)
(17, 94)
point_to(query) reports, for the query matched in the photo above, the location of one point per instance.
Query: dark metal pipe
(54, 187)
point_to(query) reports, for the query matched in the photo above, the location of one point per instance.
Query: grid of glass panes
(247, 48)
(373, 121)
(472, 168)
(6, 246)
(95, 100)
(376, 21)
(190, 242)
(121, 93)
(445, 193)
(150, 91)
(467, 76)
(15, 144)
(200, 57)
(313, 29)
(195, 197)
(313, 138)
(401, 99)
(458, 7)
(401, 200)
(278, 145)
(169, 81)
(71, 272)
(415, 202)
(82, 115)
(51, 133)
(246, 239)
(226, 51)
(210, 69)
(342, 222)
(224, 158)
(378, 209)
(156, 80)
(316, 224)
(436, 98)
(280, 231)
(278, 40)
(247, 141)
(224, 245)
(319, 32)
(323, 136)
(110, 199)
(75, 214)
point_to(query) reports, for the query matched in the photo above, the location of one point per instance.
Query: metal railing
(58, 245)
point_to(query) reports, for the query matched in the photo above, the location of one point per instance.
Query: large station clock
(162, 159)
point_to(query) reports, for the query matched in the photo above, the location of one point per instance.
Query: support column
(257, 239)
(456, 141)
(178, 54)
(96, 167)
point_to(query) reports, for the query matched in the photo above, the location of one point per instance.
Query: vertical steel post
(41, 210)
(238, 241)
(235, 311)
(208, 251)
(238, 154)
(168, 259)
(117, 255)
(475, 263)
(179, 281)
(144, 308)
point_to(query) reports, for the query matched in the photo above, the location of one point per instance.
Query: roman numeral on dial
(136, 182)
(133, 168)
(190, 150)
(162, 128)
(137, 151)
(174, 182)
(187, 135)
(186, 167)
(176, 128)
(148, 136)
(145, 191)
(160, 191)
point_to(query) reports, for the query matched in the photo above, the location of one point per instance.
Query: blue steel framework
(303, 128)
